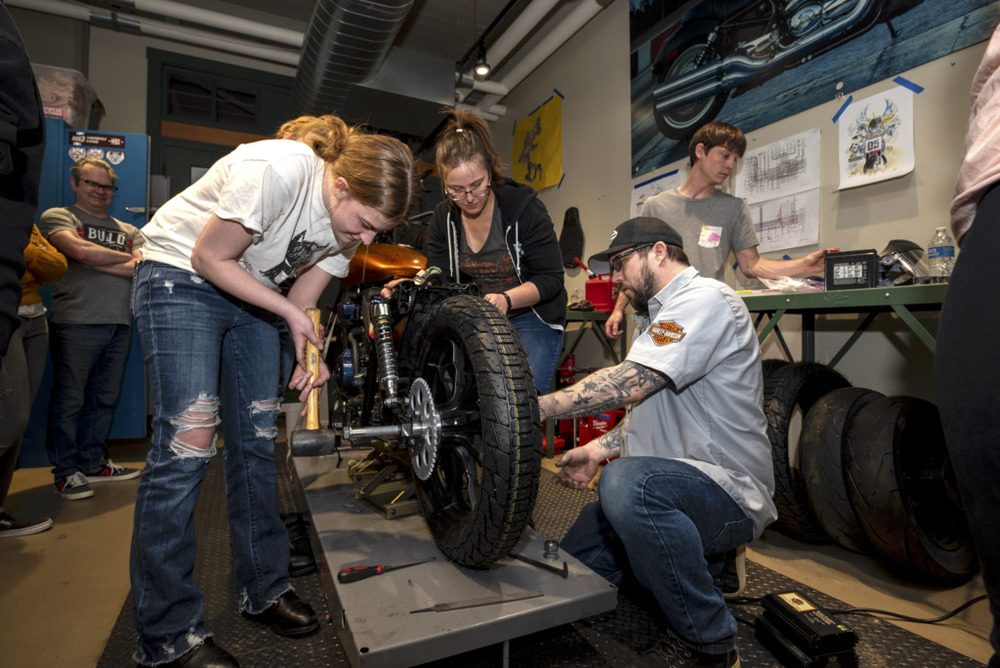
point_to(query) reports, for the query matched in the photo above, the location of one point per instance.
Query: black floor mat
(612, 639)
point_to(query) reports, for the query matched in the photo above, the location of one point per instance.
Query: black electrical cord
(746, 600)
(905, 618)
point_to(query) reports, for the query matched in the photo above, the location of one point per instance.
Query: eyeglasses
(477, 193)
(618, 260)
(98, 186)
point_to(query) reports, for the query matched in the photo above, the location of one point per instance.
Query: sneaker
(11, 527)
(671, 653)
(112, 471)
(732, 580)
(74, 487)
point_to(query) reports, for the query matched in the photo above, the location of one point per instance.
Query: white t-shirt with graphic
(273, 188)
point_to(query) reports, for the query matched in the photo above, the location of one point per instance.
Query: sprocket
(426, 432)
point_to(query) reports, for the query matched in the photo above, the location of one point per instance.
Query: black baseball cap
(634, 232)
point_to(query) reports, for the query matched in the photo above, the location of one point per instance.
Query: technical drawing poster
(876, 138)
(788, 221)
(780, 182)
(783, 168)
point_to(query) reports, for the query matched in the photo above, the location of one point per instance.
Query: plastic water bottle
(941, 253)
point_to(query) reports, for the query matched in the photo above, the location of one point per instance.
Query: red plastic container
(602, 293)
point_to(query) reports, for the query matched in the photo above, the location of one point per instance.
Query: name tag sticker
(710, 236)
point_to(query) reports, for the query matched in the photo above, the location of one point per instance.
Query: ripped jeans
(206, 354)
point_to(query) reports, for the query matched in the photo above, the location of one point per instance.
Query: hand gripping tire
(480, 495)
(821, 454)
(789, 393)
(903, 490)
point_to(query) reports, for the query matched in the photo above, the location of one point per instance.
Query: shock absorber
(388, 369)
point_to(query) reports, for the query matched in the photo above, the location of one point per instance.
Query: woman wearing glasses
(496, 233)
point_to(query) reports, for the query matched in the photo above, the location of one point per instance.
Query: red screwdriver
(355, 573)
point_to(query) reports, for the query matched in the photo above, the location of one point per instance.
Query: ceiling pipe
(205, 17)
(478, 112)
(129, 24)
(346, 43)
(525, 22)
(551, 43)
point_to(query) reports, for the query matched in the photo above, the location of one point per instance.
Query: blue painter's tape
(561, 179)
(836, 116)
(906, 83)
(655, 178)
(786, 257)
(558, 93)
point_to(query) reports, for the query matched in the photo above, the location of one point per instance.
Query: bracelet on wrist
(509, 305)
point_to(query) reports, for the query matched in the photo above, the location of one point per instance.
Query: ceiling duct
(348, 66)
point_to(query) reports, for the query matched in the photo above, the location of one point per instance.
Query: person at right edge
(693, 479)
(713, 223)
(965, 370)
(497, 233)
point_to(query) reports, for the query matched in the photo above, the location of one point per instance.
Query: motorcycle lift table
(373, 617)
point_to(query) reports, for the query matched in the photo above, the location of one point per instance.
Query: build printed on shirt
(106, 237)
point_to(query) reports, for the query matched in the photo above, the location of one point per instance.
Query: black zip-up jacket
(531, 243)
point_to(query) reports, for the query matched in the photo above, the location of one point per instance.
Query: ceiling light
(482, 68)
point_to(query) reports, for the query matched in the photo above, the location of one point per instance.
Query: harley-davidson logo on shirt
(664, 332)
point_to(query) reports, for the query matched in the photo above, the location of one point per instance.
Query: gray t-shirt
(710, 416)
(87, 296)
(711, 227)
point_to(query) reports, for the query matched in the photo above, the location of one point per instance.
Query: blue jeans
(87, 363)
(542, 344)
(656, 523)
(195, 339)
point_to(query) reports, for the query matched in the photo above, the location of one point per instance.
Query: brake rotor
(426, 432)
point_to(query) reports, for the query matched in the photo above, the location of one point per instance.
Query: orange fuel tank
(380, 262)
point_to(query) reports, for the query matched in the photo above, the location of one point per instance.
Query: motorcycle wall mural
(753, 62)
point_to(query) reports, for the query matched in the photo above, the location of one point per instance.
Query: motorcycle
(723, 47)
(436, 379)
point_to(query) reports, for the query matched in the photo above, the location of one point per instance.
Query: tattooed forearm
(603, 390)
(610, 442)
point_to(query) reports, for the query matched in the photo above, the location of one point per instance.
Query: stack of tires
(867, 471)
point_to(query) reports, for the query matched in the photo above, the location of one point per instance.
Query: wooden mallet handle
(312, 365)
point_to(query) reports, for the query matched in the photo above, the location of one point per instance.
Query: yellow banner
(537, 158)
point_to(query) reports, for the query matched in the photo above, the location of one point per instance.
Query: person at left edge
(90, 329)
(208, 317)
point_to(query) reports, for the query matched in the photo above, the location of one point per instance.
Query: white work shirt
(710, 416)
(273, 188)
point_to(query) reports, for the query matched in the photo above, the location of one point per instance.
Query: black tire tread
(821, 454)
(511, 428)
(800, 384)
(874, 448)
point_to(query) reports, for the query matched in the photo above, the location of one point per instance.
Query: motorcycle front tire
(480, 494)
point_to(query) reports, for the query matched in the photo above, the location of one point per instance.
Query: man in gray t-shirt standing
(90, 329)
(713, 223)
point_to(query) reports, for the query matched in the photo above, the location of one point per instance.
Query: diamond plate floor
(611, 639)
